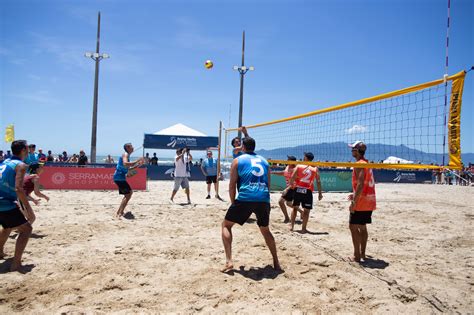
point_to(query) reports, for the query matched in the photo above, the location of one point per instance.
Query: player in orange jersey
(362, 202)
(303, 180)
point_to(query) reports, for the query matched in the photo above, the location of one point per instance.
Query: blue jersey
(236, 155)
(253, 178)
(7, 183)
(120, 171)
(32, 157)
(210, 166)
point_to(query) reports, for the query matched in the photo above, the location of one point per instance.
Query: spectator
(82, 158)
(109, 160)
(73, 159)
(50, 157)
(8, 155)
(32, 155)
(147, 158)
(65, 158)
(41, 155)
(2, 156)
(209, 169)
(154, 160)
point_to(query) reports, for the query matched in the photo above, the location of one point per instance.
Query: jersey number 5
(256, 163)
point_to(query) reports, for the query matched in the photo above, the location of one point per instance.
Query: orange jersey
(305, 176)
(366, 201)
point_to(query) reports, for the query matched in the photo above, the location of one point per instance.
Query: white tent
(180, 129)
(396, 160)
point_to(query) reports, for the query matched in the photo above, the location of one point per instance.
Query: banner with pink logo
(87, 178)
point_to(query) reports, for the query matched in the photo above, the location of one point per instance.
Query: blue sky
(307, 54)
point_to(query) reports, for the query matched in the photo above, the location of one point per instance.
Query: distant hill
(339, 151)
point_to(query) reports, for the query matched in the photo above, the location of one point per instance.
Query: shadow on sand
(5, 267)
(372, 263)
(257, 273)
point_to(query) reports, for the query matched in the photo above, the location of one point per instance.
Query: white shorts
(180, 181)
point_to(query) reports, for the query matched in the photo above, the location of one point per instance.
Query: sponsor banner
(88, 178)
(399, 176)
(341, 180)
(454, 123)
(174, 142)
(331, 180)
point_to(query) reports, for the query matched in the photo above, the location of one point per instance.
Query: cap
(291, 158)
(356, 144)
(309, 156)
(361, 146)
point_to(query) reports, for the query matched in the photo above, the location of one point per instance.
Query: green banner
(330, 181)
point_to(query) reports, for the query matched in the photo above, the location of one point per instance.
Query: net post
(219, 157)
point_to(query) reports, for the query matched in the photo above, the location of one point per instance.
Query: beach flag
(10, 133)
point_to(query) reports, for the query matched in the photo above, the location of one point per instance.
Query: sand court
(167, 259)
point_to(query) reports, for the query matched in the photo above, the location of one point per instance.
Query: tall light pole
(242, 70)
(97, 57)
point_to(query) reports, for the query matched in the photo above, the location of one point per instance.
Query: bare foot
(16, 266)
(287, 220)
(277, 266)
(2, 254)
(304, 231)
(353, 259)
(291, 229)
(228, 267)
(119, 215)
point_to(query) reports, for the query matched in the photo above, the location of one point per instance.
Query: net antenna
(446, 73)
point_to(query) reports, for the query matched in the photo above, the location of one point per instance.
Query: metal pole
(96, 95)
(446, 82)
(241, 103)
(219, 157)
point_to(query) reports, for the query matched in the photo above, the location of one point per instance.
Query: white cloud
(357, 129)
(33, 77)
(42, 97)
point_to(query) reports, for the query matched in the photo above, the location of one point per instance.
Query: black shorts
(360, 217)
(303, 197)
(124, 187)
(289, 194)
(12, 218)
(240, 211)
(211, 179)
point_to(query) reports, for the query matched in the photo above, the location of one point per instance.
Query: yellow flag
(10, 133)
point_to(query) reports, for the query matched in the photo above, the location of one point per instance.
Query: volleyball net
(413, 128)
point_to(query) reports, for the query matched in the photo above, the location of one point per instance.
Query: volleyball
(208, 64)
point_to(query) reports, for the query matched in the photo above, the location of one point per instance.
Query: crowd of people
(41, 157)
(463, 177)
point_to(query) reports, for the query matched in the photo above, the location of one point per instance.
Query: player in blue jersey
(12, 172)
(237, 143)
(250, 175)
(124, 165)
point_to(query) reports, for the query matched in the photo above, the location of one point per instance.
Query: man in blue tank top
(250, 175)
(122, 171)
(12, 172)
